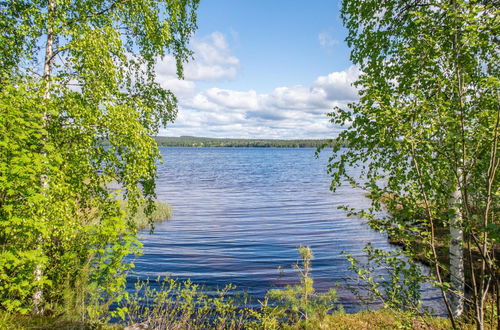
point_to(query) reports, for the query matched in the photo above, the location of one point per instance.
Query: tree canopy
(424, 132)
(73, 73)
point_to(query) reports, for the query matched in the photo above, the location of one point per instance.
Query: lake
(240, 213)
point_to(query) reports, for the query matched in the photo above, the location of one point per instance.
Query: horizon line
(240, 138)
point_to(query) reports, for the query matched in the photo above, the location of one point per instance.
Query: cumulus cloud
(183, 89)
(233, 99)
(323, 93)
(295, 111)
(285, 112)
(339, 85)
(212, 61)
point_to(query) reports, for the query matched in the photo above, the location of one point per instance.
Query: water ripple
(239, 214)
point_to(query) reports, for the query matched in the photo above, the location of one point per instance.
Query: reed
(162, 212)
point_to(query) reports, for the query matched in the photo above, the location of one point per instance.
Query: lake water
(240, 213)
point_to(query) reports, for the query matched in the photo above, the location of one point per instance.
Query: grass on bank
(172, 304)
(379, 319)
(162, 212)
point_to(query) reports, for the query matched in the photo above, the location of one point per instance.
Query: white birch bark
(37, 296)
(456, 251)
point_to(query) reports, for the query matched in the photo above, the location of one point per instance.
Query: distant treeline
(192, 141)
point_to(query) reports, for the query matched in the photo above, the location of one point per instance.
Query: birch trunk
(456, 251)
(47, 73)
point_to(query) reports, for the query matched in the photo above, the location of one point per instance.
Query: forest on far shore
(193, 141)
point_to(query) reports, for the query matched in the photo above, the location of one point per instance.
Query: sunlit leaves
(427, 119)
(58, 211)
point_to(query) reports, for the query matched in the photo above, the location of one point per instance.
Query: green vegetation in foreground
(419, 250)
(378, 319)
(162, 212)
(426, 131)
(65, 244)
(426, 128)
(193, 141)
(183, 305)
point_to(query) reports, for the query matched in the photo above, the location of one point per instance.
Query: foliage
(266, 317)
(398, 289)
(181, 305)
(17, 321)
(380, 319)
(301, 301)
(425, 129)
(48, 227)
(63, 236)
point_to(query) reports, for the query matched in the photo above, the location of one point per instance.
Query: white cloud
(233, 99)
(212, 61)
(200, 102)
(285, 112)
(183, 89)
(297, 97)
(339, 85)
(326, 39)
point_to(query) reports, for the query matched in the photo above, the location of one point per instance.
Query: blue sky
(263, 69)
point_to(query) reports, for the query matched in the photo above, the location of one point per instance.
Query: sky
(262, 69)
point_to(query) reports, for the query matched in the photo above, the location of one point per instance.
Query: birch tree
(72, 74)
(424, 134)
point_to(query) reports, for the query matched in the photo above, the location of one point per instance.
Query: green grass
(162, 212)
(16, 321)
(379, 319)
